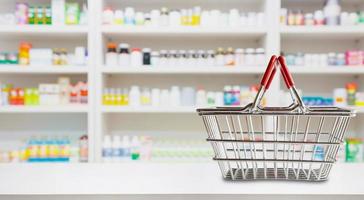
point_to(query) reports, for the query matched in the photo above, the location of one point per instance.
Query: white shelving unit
(103, 120)
(69, 120)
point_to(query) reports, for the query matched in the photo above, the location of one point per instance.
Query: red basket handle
(267, 79)
(271, 70)
(285, 72)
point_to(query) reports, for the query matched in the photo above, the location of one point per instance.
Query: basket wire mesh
(276, 143)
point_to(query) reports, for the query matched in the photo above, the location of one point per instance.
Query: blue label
(107, 152)
(118, 152)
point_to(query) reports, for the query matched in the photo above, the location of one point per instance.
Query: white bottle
(124, 55)
(249, 57)
(239, 57)
(129, 16)
(162, 58)
(111, 58)
(252, 19)
(58, 14)
(205, 19)
(201, 99)
(134, 96)
(155, 17)
(260, 19)
(188, 97)
(156, 97)
(117, 151)
(219, 99)
(172, 60)
(234, 18)
(139, 18)
(154, 60)
(332, 12)
(259, 56)
(107, 151)
(164, 100)
(175, 96)
(174, 18)
(136, 57)
(107, 16)
(214, 18)
(164, 19)
(210, 61)
(340, 97)
(219, 57)
(80, 56)
(126, 148)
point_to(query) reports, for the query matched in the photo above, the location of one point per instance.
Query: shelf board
(140, 30)
(327, 70)
(147, 109)
(329, 32)
(45, 109)
(183, 70)
(20, 69)
(44, 29)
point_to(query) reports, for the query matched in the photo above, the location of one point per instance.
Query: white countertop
(157, 178)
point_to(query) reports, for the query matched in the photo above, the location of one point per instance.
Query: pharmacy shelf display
(186, 61)
(43, 58)
(181, 72)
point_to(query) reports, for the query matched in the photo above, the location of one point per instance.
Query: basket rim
(246, 110)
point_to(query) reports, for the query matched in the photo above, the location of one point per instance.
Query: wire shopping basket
(276, 143)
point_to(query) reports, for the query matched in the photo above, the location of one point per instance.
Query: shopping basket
(276, 143)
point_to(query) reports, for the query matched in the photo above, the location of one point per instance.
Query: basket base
(273, 174)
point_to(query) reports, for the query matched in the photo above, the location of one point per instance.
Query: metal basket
(276, 143)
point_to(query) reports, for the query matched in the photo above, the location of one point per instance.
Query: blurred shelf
(135, 30)
(20, 69)
(183, 70)
(329, 32)
(177, 109)
(147, 109)
(44, 29)
(327, 70)
(45, 109)
(358, 109)
(155, 178)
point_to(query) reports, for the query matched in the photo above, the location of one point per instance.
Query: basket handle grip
(285, 72)
(271, 70)
(266, 81)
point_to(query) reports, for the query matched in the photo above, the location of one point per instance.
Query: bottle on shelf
(124, 55)
(107, 151)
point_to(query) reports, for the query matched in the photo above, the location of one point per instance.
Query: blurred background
(108, 81)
